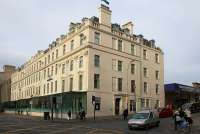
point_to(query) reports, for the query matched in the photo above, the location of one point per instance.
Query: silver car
(144, 119)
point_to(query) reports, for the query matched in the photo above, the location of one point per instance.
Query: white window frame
(114, 44)
(118, 66)
(134, 52)
(145, 57)
(99, 39)
(157, 78)
(114, 64)
(146, 87)
(80, 61)
(114, 83)
(121, 84)
(158, 60)
(118, 45)
(146, 72)
(157, 88)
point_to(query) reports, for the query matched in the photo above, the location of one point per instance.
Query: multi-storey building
(95, 58)
(5, 83)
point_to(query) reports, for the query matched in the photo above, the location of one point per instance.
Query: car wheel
(147, 127)
(157, 124)
(130, 128)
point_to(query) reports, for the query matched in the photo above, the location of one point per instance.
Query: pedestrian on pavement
(80, 115)
(27, 111)
(177, 119)
(77, 114)
(21, 112)
(188, 117)
(83, 114)
(125, 114)
(69, 114)
(181, 113)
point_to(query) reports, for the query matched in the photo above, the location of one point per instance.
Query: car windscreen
(140, 116)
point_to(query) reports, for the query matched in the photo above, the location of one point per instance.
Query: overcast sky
(30, 25)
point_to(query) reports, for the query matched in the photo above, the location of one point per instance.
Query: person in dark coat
(83, 114)
(69, 114)
(181, 113)
(80, 115)
(125, 114)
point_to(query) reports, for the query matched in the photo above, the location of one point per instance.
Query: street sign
(97, 103)
(97, 106)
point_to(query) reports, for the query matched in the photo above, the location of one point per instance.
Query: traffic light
(93, 99)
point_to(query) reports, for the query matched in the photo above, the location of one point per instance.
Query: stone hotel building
(95, 58)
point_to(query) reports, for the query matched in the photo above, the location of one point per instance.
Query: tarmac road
(14, 124)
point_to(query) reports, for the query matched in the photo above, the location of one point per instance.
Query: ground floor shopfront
(106, 104)
(58, 104)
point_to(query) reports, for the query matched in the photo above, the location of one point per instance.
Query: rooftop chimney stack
(129, 26)
(105, 15)
(9, 68)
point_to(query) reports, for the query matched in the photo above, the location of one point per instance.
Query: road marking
(17, 130)
(24, 129)
(92, 131)
(64, 130)
(106, 131)
(52, 125)
(10, 125)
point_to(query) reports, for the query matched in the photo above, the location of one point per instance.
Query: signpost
(96, 101)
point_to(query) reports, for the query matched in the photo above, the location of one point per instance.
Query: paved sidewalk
(37, 118)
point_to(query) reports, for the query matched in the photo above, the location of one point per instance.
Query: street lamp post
(61, 101)
(51, 99)
(51, 107)
(61, 110)
(31, 103)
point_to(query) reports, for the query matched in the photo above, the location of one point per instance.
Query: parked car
(166, 112)
(193, 107)
(143, 119)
